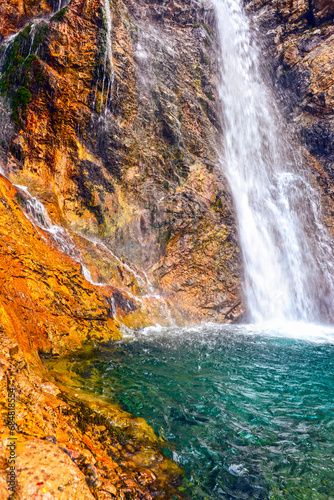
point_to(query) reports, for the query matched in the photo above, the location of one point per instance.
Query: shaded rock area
(298, 49)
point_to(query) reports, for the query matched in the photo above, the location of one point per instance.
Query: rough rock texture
(14, 14)
(48, 308)
(129, 143)
(112, 122)
(44, 298)
(298, 39)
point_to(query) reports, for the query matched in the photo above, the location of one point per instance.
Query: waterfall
(288, 259)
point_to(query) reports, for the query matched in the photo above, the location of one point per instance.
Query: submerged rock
(66, 446)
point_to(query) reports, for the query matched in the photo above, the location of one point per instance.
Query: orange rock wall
(137, 166)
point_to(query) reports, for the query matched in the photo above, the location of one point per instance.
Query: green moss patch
(22, 71)
(59, 15)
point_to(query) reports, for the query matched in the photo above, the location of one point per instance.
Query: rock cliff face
(108, 114)
(64, 443)
(114, 111)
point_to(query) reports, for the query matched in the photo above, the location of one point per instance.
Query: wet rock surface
(67, 445)
(72, 446)
(44, 298)
(125, 149)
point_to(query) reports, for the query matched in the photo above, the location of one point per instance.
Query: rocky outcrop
(45, 299)
(67, 445)
(108, 114)
(70, 446)
(109, 119)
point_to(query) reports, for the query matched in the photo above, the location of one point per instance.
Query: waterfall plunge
(287, 256)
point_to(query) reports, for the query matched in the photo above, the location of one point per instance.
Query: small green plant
(30, 59)
(59, 15)
(207, 29)
(39, 36)
(20, 103)
(26, 32)
(22, 71)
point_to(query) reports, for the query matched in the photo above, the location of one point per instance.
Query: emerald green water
(248, 414)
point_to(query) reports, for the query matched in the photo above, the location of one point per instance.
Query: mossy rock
(59, 15)
(20, 103)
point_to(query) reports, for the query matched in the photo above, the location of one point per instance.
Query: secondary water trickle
(288, 258)
(108, 69)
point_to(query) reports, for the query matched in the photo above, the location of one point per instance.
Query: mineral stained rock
(108, 117)
(66, 446)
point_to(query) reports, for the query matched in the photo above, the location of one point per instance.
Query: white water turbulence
(288, 257)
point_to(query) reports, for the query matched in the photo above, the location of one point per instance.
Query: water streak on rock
(38, 215)
(108, 63)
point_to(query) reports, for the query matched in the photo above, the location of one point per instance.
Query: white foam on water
(297, 330)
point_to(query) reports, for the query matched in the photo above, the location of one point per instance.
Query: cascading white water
(287, 255)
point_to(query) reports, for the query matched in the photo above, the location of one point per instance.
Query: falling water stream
(287, 257)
